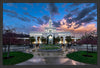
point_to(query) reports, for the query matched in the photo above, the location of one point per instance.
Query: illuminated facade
(49, 33)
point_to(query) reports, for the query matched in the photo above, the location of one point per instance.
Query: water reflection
(74, 62)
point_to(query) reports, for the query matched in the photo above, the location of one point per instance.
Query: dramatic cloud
(26, 13)
(10, 11)
(41, 27)
(85, 15)
(73, 17)
(53, 9)
(39, 21)
(67, 16)
(35, 28)
(64, 26)
(93, 14)
(75, 4)
(56, 23)
(10, 15)
(14, 14)
(84, 12)
(46, 18)
(24, 19)
(87, 19)
(20, 18)
(74, 11)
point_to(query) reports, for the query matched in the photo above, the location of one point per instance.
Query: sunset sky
(73, 17)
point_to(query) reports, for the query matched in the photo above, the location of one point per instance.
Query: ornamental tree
(32, 39)
(88, 38)
(9, 38)
(43, 39)
(57, 39)
(68, 39)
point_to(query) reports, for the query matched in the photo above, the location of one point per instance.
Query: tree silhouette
(57, 39)
(88, 38)
(9, 38)
(43, 39)
(32, 39)
(68, 39)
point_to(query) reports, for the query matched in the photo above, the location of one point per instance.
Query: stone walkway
(50, 58)
(50, 61)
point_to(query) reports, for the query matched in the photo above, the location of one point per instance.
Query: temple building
(50, 33)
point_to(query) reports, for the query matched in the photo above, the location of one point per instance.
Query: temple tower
(50, 22)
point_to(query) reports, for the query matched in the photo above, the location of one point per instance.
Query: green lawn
(50, 45)
(50, 48)
(78, 56)
(18, 57)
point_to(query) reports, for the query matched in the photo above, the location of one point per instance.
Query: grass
(78, 56)
(50, 48)
(50, 45)
(18, 57)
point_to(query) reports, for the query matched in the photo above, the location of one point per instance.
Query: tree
(32, 39)
(57, 39)
(43, 39)
(68, 39)
(9, 39)
(88, 38)
(92, 39)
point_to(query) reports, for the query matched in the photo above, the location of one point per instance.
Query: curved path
(50, 61)
(50, 58)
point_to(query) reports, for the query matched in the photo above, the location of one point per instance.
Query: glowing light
(40, 42)
(34, 42)
(59, 41)
(65, 42)
(50, 37)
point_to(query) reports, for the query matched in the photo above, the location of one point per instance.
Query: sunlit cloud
(64, 27)
(74, 18)
(80, 30)
(41, 27)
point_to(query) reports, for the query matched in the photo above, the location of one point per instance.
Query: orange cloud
(35, 26)
(80, 30)
(41, 27)
(64, 27)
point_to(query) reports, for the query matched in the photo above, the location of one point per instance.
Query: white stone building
(49, 33)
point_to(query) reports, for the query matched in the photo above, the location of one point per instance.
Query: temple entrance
(50, 39)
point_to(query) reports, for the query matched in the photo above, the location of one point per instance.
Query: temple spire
(50, 21)
(50, 16)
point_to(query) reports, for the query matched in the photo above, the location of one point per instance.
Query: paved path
(50, 58)
(50, 61)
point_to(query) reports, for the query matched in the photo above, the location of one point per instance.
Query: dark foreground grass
(17, 58)
(78, 56)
